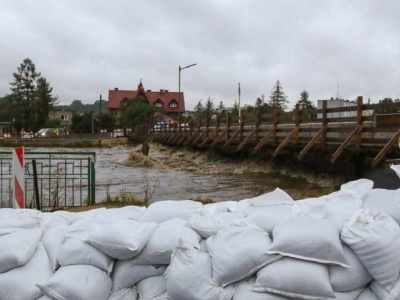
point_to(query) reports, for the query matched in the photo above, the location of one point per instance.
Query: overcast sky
(86, 47)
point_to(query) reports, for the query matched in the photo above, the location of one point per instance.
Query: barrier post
(18, 178)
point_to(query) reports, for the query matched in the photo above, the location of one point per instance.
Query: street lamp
(179, 92)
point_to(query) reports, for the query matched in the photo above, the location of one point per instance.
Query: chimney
(161, 91)
(115, 89)
(148, 90)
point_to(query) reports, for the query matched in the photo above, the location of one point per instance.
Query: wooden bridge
(333, 131)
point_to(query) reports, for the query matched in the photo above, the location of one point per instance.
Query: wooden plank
(265, 139)
(219, 137)
(232, 137)
(246, 140)
(353, 135)
(201, 135)
(385, 149)
(311, 143)
(286, 140)
(215, 131)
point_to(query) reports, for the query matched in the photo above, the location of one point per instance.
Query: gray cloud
(85, 48)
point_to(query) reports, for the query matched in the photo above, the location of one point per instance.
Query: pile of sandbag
(345, 245)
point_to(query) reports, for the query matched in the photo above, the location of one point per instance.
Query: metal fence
(56, 179)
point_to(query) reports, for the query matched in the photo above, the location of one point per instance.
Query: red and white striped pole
(18, 177)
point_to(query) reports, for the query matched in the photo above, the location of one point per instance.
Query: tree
(385, 106)
(209, 109)
(44, 102)
(259, 103)
(6, 105)
(221, 107)
(136, 114)
(23, 91)
(278, 97)
(199, 107)
(304, 102)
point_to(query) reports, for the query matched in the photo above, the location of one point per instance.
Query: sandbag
(162, 242)
(275, 197)
(360, 187)
(24, 221)
(351, 295)
(349, 279)
(238, 251)
(267, 217)
(20, 282)
(152, 288)
(52, 240)
(162, 211)
(121, 239)
(308, 238)
(393, 294)
(126, 274)
(17, 248)
(207, 226)
(81, 282)
(57, 218)
(386, 201)
(375, 238)
(244, 290)
(111, 215)
(291, 277)
(124, 294)
(189, 275)
(367, 294)
(218, 207)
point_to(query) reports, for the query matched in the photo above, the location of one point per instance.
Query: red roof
(115, 97)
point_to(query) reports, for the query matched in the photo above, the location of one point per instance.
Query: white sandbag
(368, 294)
(59, 217)
(74, 251)
(244, 290)
(124, 294)
(24, 221)
(20, 283)
(308, 238)
(337, 207)
(386, 201)
(275, 197)
(89, 215)
(207, 226)
(291, 277)
(152, 288)
(52, 240)
(111, 215)
(126, 274)
(17, 248)
(375, 238)
(162, 242)
(162, 211)
(238, 251)
(203, 245)
(81, 282)
(360, 187)
(189, 275)
(218, 207)
(268, 217)
(121, 239)
(396, 168)
(352, 295)
(393, 294)
(349, 279)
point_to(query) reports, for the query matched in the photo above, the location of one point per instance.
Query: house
(172, 103)
(65, 117)
(333, 103)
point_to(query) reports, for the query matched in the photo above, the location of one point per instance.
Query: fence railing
(63, 179)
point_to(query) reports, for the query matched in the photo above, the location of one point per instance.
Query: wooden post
(324, 121)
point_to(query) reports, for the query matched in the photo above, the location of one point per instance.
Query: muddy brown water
(114, 177)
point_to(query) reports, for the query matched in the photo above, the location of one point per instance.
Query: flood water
(114, 178)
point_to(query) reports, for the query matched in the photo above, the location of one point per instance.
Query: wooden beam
(201, 134)
(232, 137)
(265, 139)
(311, 143)
(353, 135)
(219, 137)
(286, 140)
(246, 140)
(385, 149)
(215, 131)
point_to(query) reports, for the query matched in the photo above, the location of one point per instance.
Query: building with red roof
(171, 103)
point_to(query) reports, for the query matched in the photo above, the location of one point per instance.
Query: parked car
(49, 132)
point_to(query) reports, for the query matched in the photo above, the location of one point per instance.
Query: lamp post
(179, 92)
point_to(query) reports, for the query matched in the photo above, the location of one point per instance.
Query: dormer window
(173, 103)
(158, 103)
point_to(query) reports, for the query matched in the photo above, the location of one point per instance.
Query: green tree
(6, 105)
(278, 98)
(82, 123)
(23, 91)
(384, 106)
(259, 103)
(199, 107)
(209, 110)
(304, 102)
(137, 114)
(44, 102)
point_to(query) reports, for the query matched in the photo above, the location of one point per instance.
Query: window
(173, 104)
(64, 117)
(158, 104)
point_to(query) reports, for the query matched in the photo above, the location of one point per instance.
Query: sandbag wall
(345, 245)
